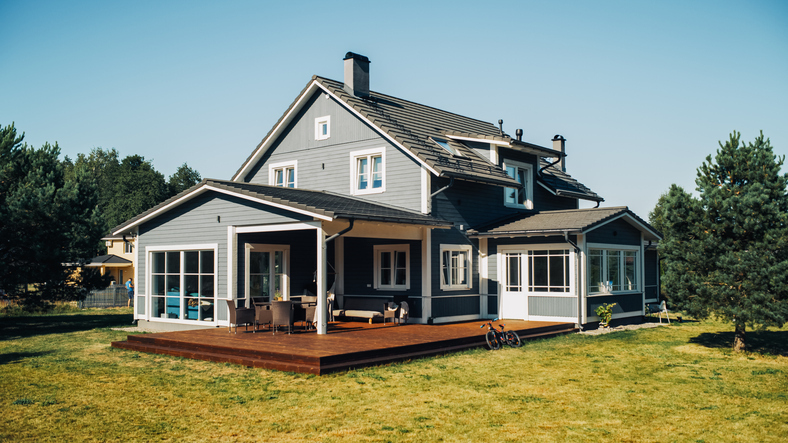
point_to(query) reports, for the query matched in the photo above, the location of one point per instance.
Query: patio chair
(239, 316)
(391, 312)
(660, 309)
(283, 315)
(262, 315)
(404, 312)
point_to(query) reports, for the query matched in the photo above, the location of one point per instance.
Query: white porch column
(322, 296)
(484, 270)
(426, 274)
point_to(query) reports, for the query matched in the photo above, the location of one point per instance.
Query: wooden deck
(347, 345)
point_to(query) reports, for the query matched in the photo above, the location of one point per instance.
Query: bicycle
(497, 338)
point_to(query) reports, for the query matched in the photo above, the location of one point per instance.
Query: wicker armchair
(239, 316)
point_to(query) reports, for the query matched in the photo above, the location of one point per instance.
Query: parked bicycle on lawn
(497, 338)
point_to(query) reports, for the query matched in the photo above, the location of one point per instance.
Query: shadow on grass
(12, 328)
(15, 357)
(762, 342)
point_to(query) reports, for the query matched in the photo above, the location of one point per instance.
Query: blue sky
(642, 91)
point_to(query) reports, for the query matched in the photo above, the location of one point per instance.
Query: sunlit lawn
(60, 381)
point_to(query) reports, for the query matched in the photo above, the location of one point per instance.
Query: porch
(347, 344)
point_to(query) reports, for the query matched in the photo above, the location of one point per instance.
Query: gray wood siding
(651, 271)
(195, 222)
(553, 306)
(617, 232)
(325, 164)
(454, 306)
(360, 267)
(470, 204)
(624, 303)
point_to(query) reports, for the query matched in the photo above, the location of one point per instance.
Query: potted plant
(605, 314)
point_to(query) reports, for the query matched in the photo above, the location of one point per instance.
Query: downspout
(342, 232)
(579, 291)
(451, 183)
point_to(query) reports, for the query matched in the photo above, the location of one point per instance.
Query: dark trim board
(347, 345)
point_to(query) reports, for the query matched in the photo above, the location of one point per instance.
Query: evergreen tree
(183, 179)
(46, 222)
(726, 254)
(138, 187)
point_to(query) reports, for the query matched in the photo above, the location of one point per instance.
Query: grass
(60, 380)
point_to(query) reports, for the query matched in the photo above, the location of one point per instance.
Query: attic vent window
(445, 145)
(323, 128)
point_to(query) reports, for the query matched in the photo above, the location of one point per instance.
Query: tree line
(725, 253)
(53, 213)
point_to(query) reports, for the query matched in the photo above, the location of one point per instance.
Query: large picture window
(368, 171)
(612, 270)
(183, 284)
(392, 267)
(455, 267)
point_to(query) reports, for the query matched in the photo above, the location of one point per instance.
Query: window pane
(173, 262)
(290, 178)
(614, 269)
(520, 192)
(192, 284)
(206, 286)
(401, 277)
(192, 259)
(324, 128)
(158, 262)
(377, 172)
(206, 262)
(445, 277)
(278, 178)
(385, 277)
(157, 282)
(540, 273)
(513, 272)
(557, 283)
(385, 260)
(630, 270)
(362, 173)
(595, 271)
(173, 285)
(401, 259)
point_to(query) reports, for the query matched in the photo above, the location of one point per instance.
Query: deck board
(347, 344)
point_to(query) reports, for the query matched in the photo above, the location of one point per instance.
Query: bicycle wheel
(492, 340)
(513, 340)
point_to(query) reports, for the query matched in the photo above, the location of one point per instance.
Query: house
(118, 262)
(382, 199)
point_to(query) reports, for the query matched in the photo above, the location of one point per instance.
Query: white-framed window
(128, 247)
(368, 171)
(613, 269)
(456, 265)
(548, 269)
(182, 282)
(323, 127)
(283, 174)
(392, 267)
(519, 197)
(267, 272)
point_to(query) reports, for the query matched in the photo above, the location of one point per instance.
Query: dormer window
(520, 197)
(445, 145)
(282, 174)
(323, 127)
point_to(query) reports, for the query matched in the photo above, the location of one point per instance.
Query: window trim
(525, 283)
(377, 249)
(283, 166)
(468, 250)
(622, 266)
(529, 187)
(368, 153)
(128, 247)
(318, 122)
(181, 249)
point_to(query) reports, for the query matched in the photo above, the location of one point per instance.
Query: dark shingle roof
(104, 260)
(319, 203)
(556, 222)
(412, 125)
(563, 184)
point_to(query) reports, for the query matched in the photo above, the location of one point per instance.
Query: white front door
(267, 271)
(514, 300)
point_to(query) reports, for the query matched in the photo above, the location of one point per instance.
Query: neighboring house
(385, 199)
(119, 260)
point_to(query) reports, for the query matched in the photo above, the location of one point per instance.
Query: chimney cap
(359, 57)
(558, 137)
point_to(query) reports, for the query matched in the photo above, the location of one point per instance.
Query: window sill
(369, 191)
(518, 206)
(607, 294)
(396, 288)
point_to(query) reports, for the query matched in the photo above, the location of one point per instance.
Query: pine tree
(726, 253)
(183, 179)
(138, 187)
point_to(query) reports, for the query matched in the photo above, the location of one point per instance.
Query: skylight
(445, 145)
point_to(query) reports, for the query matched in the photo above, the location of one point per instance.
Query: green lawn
(60, 381)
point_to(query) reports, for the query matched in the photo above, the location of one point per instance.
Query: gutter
(342, 232)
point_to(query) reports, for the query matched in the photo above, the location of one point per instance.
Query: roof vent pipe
(519, 134)
(357, 74)
(559, 144)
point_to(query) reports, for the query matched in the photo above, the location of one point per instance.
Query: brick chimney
(357, 74)
(559, 144)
